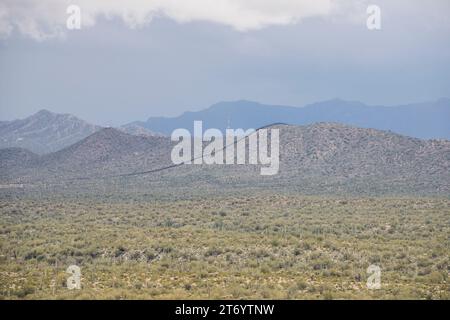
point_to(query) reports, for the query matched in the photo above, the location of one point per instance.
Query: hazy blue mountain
(422, 120)
(44, 132)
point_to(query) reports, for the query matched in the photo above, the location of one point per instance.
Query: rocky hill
(138, 130)
(323, 158)
(107, 151)
(44, 132)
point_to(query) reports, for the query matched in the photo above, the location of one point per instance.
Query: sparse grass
(258, 246)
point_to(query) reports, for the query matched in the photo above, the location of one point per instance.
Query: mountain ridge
(44, 131)
(314, 159)
(425, 120)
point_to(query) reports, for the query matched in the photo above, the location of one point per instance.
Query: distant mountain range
(45, 132)
(323, 158)
(428, 120)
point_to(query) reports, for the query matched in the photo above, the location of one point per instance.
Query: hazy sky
(135, 59)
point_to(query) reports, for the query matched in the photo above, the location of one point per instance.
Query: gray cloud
(113, 72)
(43, 19)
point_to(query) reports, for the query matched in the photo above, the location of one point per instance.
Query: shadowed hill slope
(321, 158)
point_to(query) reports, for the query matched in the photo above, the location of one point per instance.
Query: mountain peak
(118, 137)
(45, 132)
(107, 144)
(109, 132)
(43, 113)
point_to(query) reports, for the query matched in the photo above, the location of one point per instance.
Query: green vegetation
(259, 246)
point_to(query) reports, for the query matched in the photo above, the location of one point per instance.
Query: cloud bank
(42, 19)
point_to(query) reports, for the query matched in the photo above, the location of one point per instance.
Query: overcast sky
(135, 59)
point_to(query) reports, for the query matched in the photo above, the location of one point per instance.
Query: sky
(135, 59)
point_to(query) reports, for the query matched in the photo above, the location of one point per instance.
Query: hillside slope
(321, 158)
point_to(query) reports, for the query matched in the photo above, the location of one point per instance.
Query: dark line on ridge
(173, 165)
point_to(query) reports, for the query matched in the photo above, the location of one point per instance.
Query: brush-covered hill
(323, 158)
(329, 158)
(108, 151)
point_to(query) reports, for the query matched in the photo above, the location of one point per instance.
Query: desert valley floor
(262, 245)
